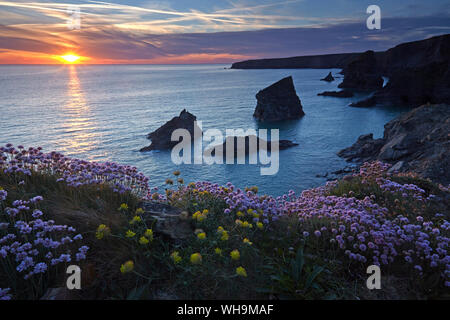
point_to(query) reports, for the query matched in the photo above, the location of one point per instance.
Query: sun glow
(70, 58)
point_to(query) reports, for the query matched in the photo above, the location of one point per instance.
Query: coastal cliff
(418, 71)
(326, 61)
(406, 55)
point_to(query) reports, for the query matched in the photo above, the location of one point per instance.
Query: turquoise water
(104, 113)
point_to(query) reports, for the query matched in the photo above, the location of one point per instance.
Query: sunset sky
(207, 31)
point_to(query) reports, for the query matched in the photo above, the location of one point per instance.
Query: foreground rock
(170, 221)
(278, 102)
(417, 141)
(362, 74)
(241, 145)
(161, 138)
(337, 94)
(328, 78)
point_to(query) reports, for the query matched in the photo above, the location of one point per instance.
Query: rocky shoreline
(418, 71)
(417, 141)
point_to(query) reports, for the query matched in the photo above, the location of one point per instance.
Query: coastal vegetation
(57, 211)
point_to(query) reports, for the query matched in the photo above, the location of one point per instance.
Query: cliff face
(417, 141)
(326, 61)
(405, 55)
(414, 54)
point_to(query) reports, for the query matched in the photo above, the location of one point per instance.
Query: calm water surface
(103, 113)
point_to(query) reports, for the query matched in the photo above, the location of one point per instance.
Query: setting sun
(71, 58)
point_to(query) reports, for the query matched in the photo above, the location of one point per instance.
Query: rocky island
(241, 145)
(161, 138)
(278, 102)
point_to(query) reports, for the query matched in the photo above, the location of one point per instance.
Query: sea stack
(278, 102)
(161, 138)
(328, 78)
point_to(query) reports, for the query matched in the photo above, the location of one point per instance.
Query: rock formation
(414, 86)
(417, 141)
(337, 94)
(328, 78)
(362, 74)
(417, 71)
(161, 138)
(244, 148)
(278, 102)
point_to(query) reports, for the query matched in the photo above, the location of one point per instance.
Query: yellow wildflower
(240, 214)
(246, 241)
(201, 236)
(130, 234)
(135, 219)
(250, 211)
(102, 231)
(127, 267)
(139, 211)
(196, 215)
(143, 241)
(260, 225)
(196, 258)
(224, 236)
(148, 233)
(176, 257)
(218, 251)
(220, 229)
(240, 271)
(123, 207)
(205, 211)
(238, 222)
(245, 224)
(235, 255)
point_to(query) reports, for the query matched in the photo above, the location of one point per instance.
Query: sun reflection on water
(79, 124)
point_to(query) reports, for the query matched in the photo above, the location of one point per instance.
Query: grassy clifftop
(56, 211)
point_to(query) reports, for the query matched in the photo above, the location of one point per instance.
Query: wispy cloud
(157, 33)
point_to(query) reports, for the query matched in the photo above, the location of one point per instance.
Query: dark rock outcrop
(337, 94)
(328, 78)
(161, 138)
(278, 102)
(417, 141)
(419, 72)
(364, 149)
(241, 144)
(171, 222)
(414, 86)
(362, 73)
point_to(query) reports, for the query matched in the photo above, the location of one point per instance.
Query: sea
(104, 112)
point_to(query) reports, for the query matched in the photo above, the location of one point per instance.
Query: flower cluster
(31, 245)
(74, 172)
(363, 230)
